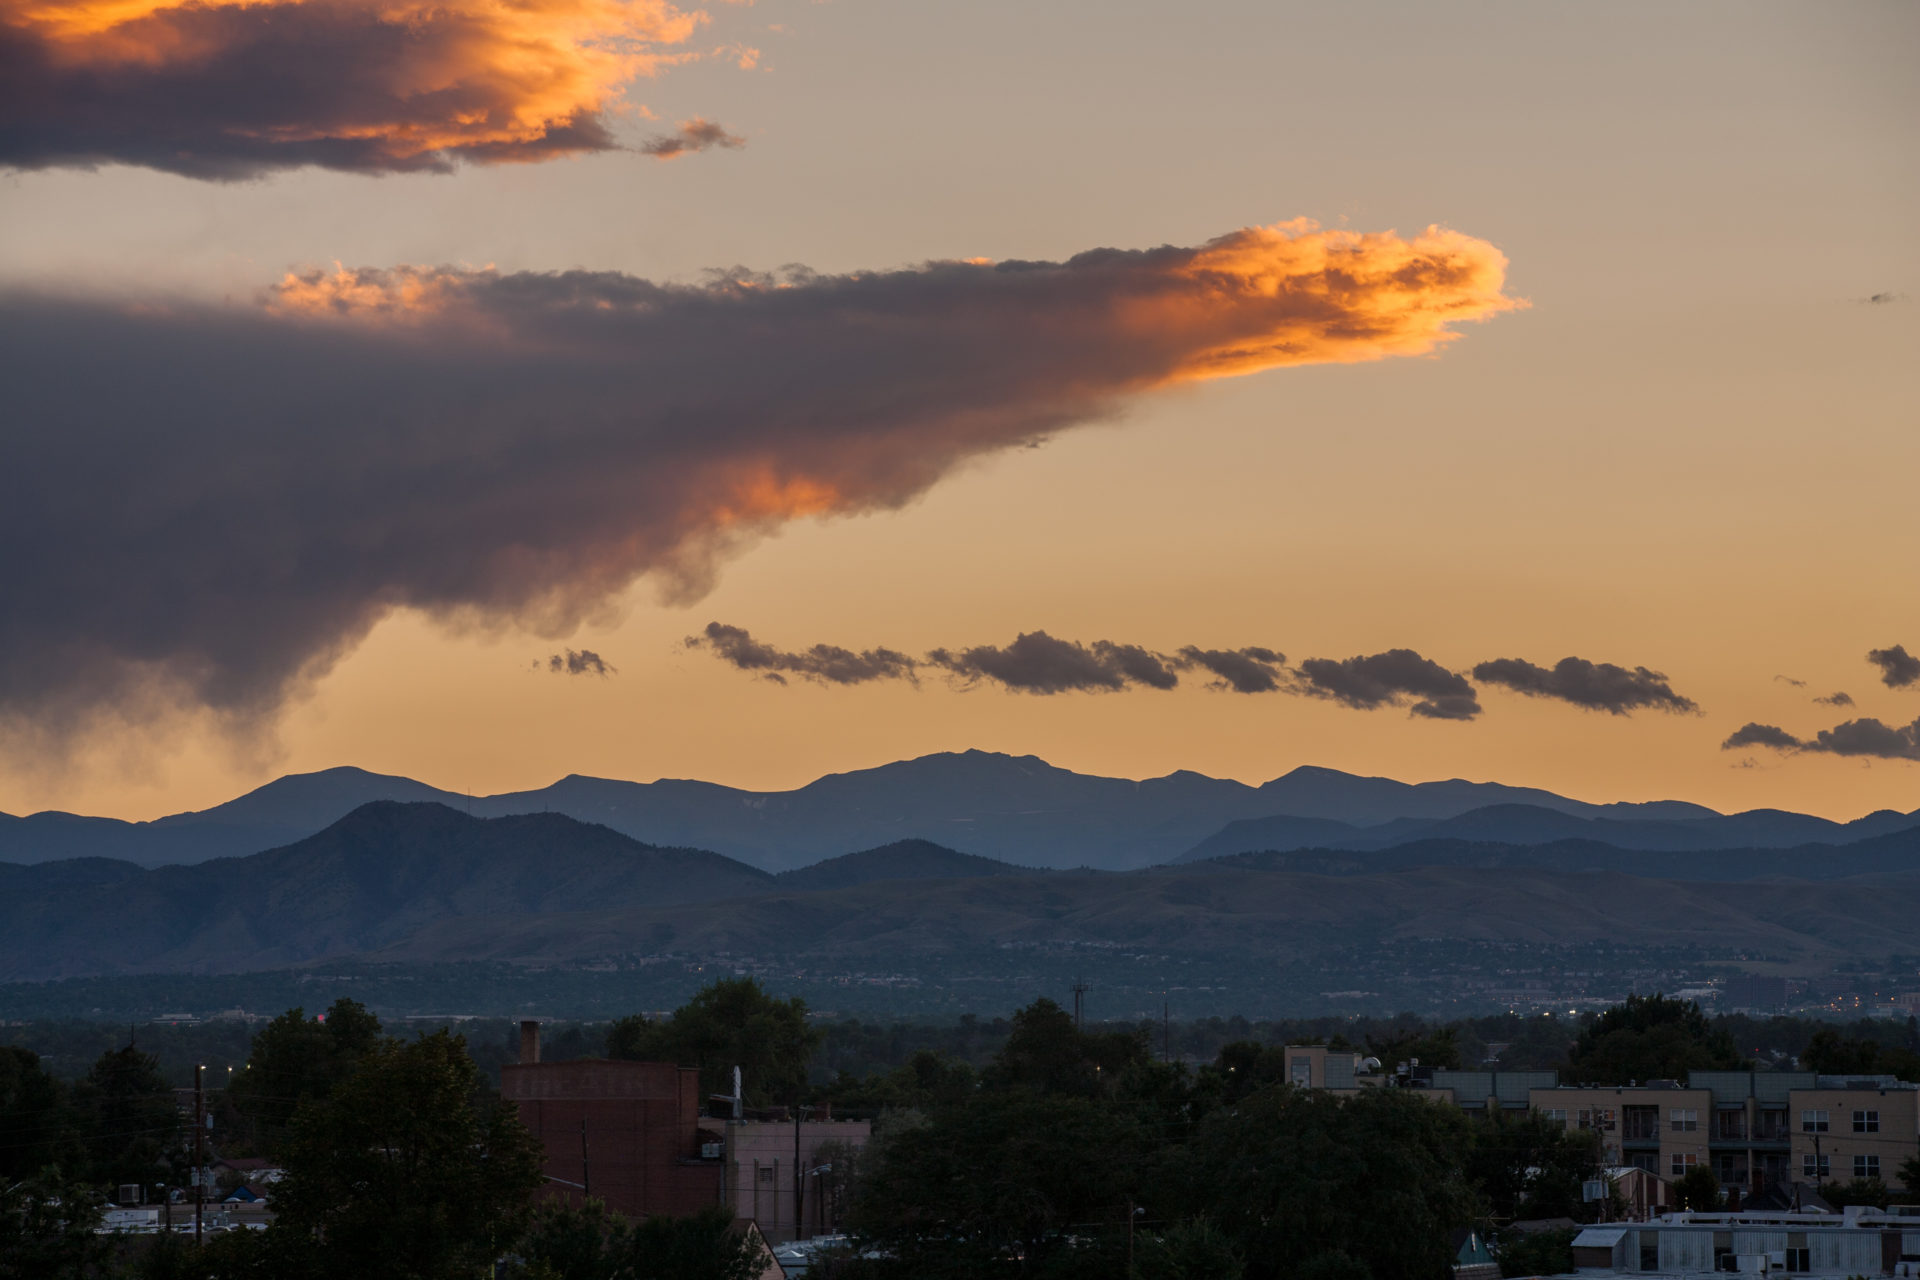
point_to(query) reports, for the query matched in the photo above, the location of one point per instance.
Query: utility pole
(1079, 991)
(586, 1169)
(1130, 1216)
(799, 1183)
(199, 1155)
(1166, 1030)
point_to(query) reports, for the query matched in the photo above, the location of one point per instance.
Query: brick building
(627, 1133)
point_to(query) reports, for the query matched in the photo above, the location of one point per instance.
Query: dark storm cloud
(1868, 738)
(1251, 670)
(1840, 699)
(693, 135)
(1598, 686)
(206, 506)
(1037, 663)
(825, 663)
(579, 662)
(1752, 734)
(228, 89)
(1898, 668)
(1390, 679)
(1798, 684)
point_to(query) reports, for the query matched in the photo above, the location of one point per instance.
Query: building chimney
(529, 1042)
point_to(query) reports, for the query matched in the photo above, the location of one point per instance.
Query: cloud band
(221, 501)
(230, 88)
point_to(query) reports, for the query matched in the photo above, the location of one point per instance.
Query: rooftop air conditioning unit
(129, 1194)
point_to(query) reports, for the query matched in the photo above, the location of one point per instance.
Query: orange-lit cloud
(225, 500)
(229, 88)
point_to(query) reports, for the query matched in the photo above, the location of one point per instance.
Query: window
(1813, 1122)
(766, 1173)
(1816, 1168)
(1684, 1121)
(1682, 1163)
(1799, 1258)
(1301, 1072)
(1866, 1166)
(1556, 1114)
(1866, 1122)
(1645, 1160)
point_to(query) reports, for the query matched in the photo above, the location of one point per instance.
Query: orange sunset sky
(1572, 331)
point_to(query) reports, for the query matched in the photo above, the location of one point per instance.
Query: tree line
(1061, 1152)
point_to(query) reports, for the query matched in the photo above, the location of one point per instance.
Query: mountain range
(423, 882)
(1016, 809)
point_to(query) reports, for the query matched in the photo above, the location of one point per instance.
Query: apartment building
(1853, 1127)
(1754, 1129)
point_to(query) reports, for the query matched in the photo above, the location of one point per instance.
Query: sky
(1499, 391)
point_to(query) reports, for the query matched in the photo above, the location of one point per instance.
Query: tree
(406, 1169)
(1910, 1175)
(1831, 1055)
(1532, 1167)
(296, 1059)
(47, 1226)
(1295, 1174)
(1048, 1054)
(1699, 1190)
(926, 1080)
(1190, 1250)
(36, 1121)
(1650, 1038)
(1536, 1253)
(571, 1243)
(699, 1246)
(128, 1116)
(998, 1182)
(589, 1243)
(732, 1023)
(225, 1255)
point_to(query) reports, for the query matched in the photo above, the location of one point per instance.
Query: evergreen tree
(732, 1023)
(408, 1168)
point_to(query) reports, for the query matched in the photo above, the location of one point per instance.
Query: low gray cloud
(1752, 734)
(823, 663)
(1038, 663)
(1391, 679)
(1597, 686)
(692, 135)
(206, 506)
(1836, 699)
(1866, 738)
(1798, 684)
(1898, 668)
(580, 662)
(1250, 670)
